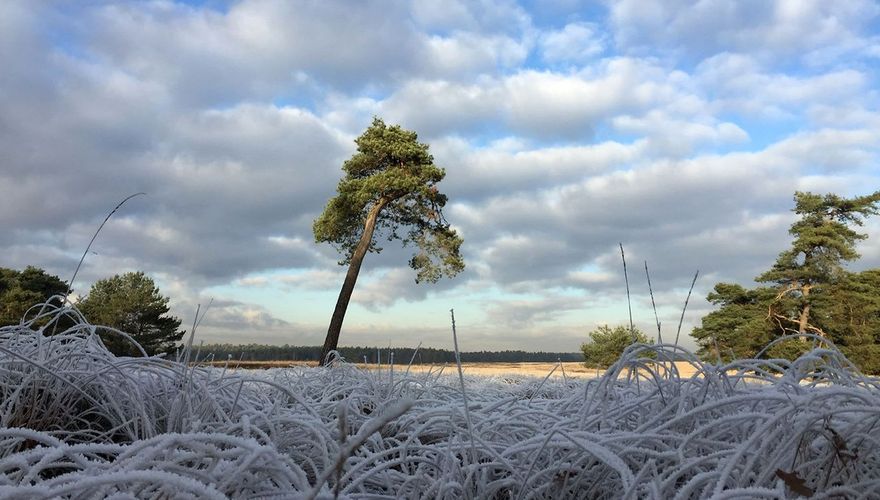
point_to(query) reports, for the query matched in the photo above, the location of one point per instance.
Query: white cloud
(492, 16)
(521, 313)
(253, 281)
(512, 168)
(542, 104)
(869, 248)
(384, 287)
(256, 48)
(742, 86)
(727, 213)
(772, 30)
(832, 150)
(574, 43)
(315, 279)
(438, 107)
(463, 54)
(546, 104)
(678, 137)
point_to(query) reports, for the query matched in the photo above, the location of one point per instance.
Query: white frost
(75, 421)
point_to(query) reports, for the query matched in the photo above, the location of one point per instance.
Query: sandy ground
(571, 369)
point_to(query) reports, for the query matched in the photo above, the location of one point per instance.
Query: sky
(680, 129)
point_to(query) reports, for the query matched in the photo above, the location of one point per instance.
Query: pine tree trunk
(354, 268)
(804, 319)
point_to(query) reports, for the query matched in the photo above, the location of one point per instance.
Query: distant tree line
(402, 355)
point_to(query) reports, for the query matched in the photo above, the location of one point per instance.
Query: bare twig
(467, 414)
(653, 305)
(632, 329)
(681, 320)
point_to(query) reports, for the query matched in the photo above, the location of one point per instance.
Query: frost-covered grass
(77, 422)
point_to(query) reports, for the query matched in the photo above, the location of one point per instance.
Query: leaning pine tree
(390, 184)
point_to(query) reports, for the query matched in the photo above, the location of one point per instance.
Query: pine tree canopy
(607, 344)
(823, 238)
(809, 291)
(132, 303)
(20, 290)
(393, 175)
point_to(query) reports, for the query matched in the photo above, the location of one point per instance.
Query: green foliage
(823, 242)
(849, 313)
(393, 172)
(132, 303)
(607, 344)
(19, 290)
(811, 291)
(738, 329)
(823, 239)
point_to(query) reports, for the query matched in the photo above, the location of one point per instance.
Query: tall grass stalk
(653, 305)
(683, 309)
(632, 329)
(94, 236)
(464, 398)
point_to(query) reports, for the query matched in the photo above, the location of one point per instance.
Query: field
(529, 369)
(560, 370)
(78, 422)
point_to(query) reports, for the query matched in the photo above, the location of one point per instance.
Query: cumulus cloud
(525, 312)
(773, 30)
(386, 289)
(709, 209)
(575, 43)
(438, 107)
(467, 54)
(235, 315)
(742, 86)
(514, 168)
(314, 279)
(255, 48)
(503, 16)
(544, 105)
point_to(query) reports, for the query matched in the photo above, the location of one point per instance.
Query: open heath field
(527, 369)
(562, 370)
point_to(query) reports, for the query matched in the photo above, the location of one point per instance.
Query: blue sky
(679, 128)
